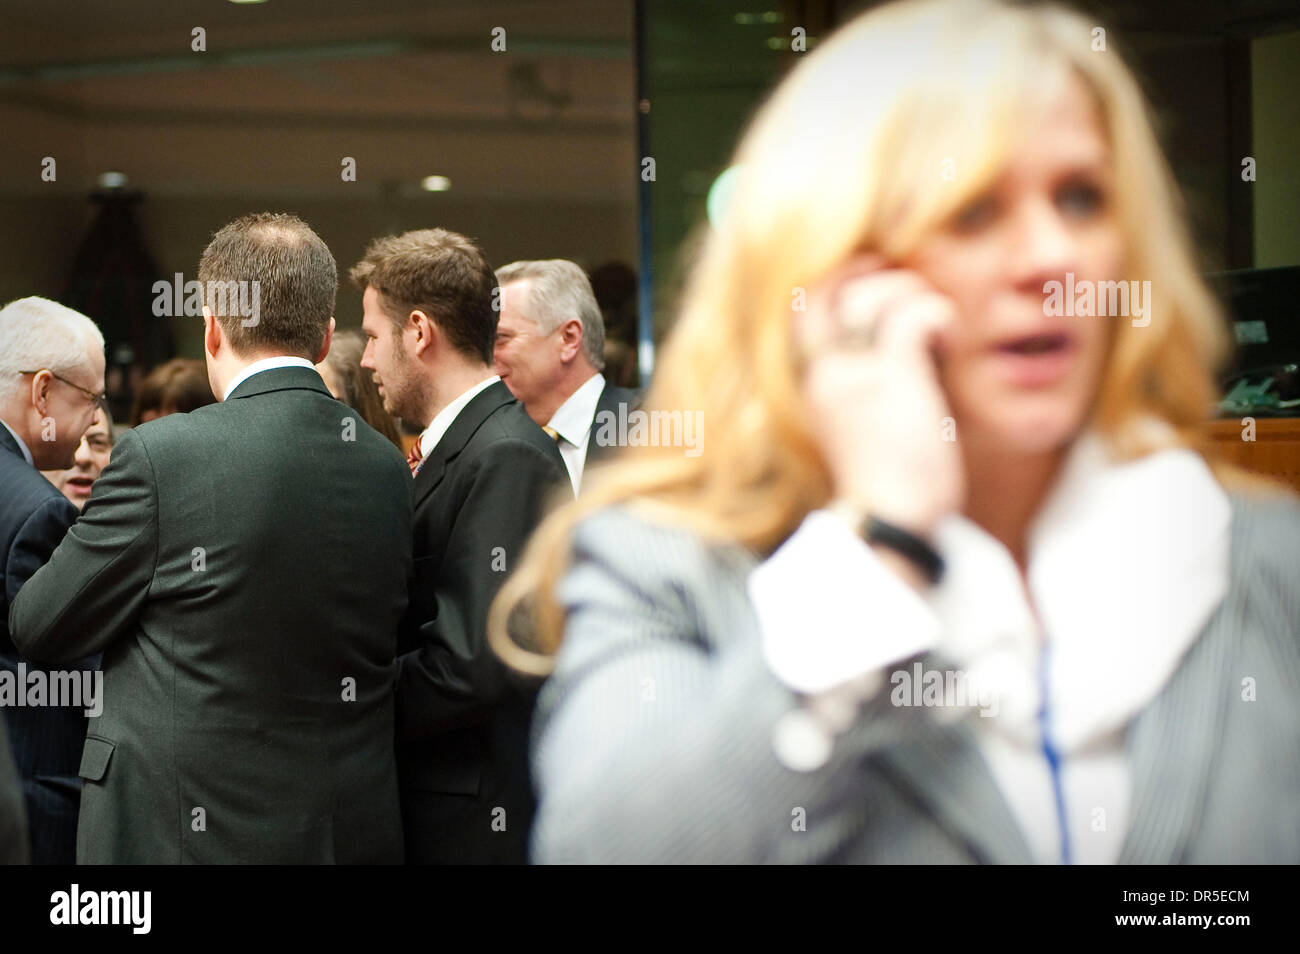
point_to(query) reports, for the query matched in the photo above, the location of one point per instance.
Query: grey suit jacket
(653, 740)
(243, 568)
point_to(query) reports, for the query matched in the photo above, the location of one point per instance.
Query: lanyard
(1050, 752)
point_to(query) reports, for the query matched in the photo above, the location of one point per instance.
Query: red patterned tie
(413, 458)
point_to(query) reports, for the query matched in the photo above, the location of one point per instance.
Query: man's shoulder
(508, 427)
(180, 426)
(612, 397)
(614, 394)
(262, 417)
(510, 446)
(24, 489)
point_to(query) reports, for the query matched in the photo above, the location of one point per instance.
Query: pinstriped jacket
(653, 740)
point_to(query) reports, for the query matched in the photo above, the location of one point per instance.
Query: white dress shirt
(1126, 562)
(443, 420)
(572, 422)
(22, 445)
(266, 364)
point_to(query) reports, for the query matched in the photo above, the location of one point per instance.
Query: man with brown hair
(243, 568)
(483, 473)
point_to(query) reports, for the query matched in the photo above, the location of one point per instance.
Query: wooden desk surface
(1275, 451)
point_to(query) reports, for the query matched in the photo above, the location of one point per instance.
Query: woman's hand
(871, 335)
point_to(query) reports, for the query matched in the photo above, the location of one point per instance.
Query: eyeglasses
(58, 377)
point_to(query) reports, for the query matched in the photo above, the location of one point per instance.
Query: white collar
(443, 420)
(1126, 563)
(266, 364)
(22, 445)
(572, 419)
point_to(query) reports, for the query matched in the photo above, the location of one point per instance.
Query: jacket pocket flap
(94, 758)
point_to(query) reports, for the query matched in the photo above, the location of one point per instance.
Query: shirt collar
(22, 445)
(443, 420)
(1127, 561)
(266, 364)
(572, 420)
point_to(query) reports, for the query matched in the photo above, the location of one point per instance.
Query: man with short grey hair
(550, 352)
(51, 373)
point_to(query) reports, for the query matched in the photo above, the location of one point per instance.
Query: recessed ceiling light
(112, 180)
(752, 19)
(435, 183)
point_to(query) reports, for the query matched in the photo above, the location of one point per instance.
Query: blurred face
(90, 460)
(70, 407)
(528, 361)
(1017, 379)
(386, 356)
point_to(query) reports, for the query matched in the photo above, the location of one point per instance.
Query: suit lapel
(941, 764)
(467, 422)
(1172, 744)
(1170, 750)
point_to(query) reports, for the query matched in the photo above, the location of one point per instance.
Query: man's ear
(325, 347)
(213, 338)
(427, 333)
(570, 339)
(41, 392)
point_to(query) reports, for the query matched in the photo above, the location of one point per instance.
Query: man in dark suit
(243, 569)
(51, 372)
(550, 350)
(483, 474)
(14, 847)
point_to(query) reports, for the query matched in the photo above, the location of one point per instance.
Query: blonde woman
(952, 580)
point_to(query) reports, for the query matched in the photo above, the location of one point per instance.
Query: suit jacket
(14, 848)
(243, 568)
(611, 397)
(462, 724)
(46, 740)
(654, 737)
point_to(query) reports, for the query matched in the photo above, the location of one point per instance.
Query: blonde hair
(845, 156)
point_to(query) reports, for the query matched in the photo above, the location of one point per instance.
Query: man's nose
(83, 458)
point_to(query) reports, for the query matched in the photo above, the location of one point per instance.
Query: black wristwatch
(919, 552)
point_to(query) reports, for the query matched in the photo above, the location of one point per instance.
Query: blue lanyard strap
(1051, 754)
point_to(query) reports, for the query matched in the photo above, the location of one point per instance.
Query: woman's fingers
(865, 305)
(875, 396)
(915, 326)
(818, 325)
